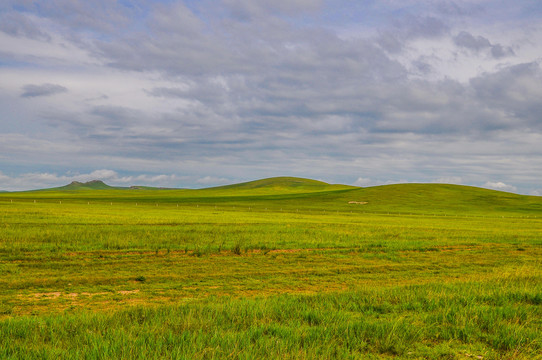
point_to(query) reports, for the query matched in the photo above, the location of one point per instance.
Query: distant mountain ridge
(276, 183)
(89, 185)
(395, 198)
(429, 194)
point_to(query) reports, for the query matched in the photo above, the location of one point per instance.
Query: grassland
(280, 268)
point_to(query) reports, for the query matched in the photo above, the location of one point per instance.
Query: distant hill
(299, 193)
(282, 183)
(426, 198)
(269, 186)
(89, 185)
(100, 185)
(143, 187)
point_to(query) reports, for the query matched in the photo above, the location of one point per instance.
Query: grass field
(278, 268)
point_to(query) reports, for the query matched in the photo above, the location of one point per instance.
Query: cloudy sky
(198, 93)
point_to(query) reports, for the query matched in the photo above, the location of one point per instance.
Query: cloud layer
(42, 90)
(210, 92)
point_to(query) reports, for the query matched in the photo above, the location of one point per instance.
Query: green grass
(432, 321)
(280, 268)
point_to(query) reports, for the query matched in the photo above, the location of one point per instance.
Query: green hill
(277, 182)
(280, 185)
(274, 185)
(428, 199)
(89, 185)
(290, 193)
(436, 198)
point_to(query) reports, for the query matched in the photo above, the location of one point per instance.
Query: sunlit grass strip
(499, 319)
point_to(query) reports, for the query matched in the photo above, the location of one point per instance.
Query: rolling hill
(277, 185)
(89, 185)
(439, 199)
(298, 193)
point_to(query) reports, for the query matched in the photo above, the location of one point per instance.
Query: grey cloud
(114, 112)
(167, 92)
(460, 9)
(98, 15)
(247, 9)
(268, 46)
(308, 87)
(479, 43)
(175, 53)
(390, 42)
(467, 40)
(176, 19)
(451, 8)
(102, 121)
(422, 67)
(499, 51)
(42, 90)
(427, 27)
(20, 25)
(205, 90)
(409, 28)
(515, 92)
(272, 64)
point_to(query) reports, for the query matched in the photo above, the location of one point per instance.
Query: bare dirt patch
(127, 292)
(49, 295)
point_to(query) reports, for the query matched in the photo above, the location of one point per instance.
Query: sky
(201, 93)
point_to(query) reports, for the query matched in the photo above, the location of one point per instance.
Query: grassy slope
(271, 272)
(296, 193)
(280, 185)
(282, 182)
(444, 198)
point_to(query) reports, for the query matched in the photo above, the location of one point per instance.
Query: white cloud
(363, 182)
(211, 180)
(499, 185)
(58, 51)
(457, 180)
(41, 180)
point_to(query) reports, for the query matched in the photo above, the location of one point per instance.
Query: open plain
(279, 268)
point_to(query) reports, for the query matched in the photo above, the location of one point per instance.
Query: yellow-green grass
(294, 194)
(420, 271)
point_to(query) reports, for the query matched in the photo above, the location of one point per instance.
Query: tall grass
(494, 320)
